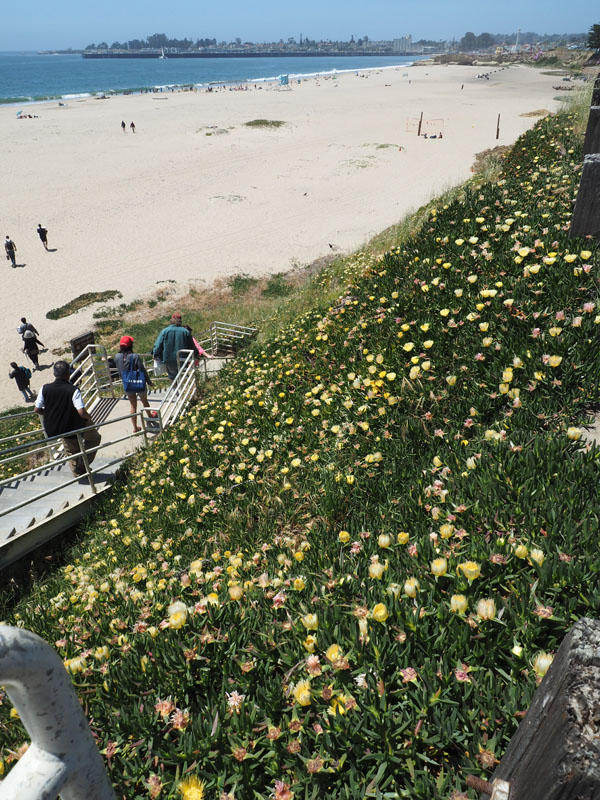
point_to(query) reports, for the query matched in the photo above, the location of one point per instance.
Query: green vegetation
(240, 284)
(344, 572)
(264, 123)
(81, 302)
(277, 286)
(12, 425)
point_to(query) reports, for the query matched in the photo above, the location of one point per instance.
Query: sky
(35, 25)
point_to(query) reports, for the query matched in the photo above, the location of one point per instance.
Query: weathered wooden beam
(591, 143)
(596, 96)
(586, 216)
(555, 753)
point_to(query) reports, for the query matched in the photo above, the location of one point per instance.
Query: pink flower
(469, 422)
(439, 432)
(576, 322)
(279, 599)
(412, 550)
(180, 719)
(479, 357)
(535, 333)
(589, 307)
(559, 315)
(462, 675)
(313, 665)
(234, 701)
(164, 707)
(355, 548)
(408, 674)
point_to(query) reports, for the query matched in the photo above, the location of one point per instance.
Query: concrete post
(586, 215)
(63, 758)
(591, 143)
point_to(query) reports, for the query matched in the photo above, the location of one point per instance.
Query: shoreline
(102, 94)
(197, 194)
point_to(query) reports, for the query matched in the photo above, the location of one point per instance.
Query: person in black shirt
(30, 347)
(20, 375)
(61, 405)
(43, 234)
(11, 250)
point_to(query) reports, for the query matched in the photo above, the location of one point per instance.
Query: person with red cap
(170, 341)
(134, 376)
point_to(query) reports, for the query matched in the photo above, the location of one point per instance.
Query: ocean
(30, 77)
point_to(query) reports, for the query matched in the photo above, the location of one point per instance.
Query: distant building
(403, 45)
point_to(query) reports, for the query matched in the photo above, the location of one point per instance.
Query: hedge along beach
(196, 194)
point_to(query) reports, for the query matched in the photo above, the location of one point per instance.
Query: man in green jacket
(170, 341)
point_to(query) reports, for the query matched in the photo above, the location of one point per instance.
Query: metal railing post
(86, 464)
(143, 419)
(63, 757)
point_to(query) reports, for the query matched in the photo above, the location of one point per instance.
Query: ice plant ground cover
(345, 570)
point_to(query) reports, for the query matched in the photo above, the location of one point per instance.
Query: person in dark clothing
(64, 414)
(22, 379)
(30, 347)
(11, 250)
(132, 126)
(126, 360)
(43, 234)
(170, 341)
(123, 126)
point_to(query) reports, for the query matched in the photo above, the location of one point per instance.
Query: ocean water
(28, 77)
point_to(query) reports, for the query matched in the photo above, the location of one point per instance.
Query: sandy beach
(196, 194)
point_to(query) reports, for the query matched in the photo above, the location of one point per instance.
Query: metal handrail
(181, 392)
(84, 453)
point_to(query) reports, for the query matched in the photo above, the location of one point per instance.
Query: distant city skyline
(33, 25)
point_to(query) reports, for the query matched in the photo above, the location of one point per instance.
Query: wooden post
(596, 96)
(591, 143)
(498, 128)
(555, 753)
(586, 216)
(420, 123)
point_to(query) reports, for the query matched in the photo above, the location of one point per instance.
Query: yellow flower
(541, 663)
(384, 540)
(470, 569)
(302, 693)
(524, 251)
(344, 536)
(411, 587)
(310, 643)
(299, 584)
(177, 615)
(521, 551)
(574, 433)
(192, 788)
(537, 556)
(439, 567)
(402, 537)
(451, 380)
(428, 344)
(446, 530)
(486, 608)
(585, 254)
(236, 592)
(554, 361)
(310, 622)
(458, 603)
(334, 653)
(380, 612)
(376, 570)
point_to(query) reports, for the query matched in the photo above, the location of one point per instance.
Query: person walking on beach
(170, 341)
(30, 347)
(123, 126)
(43, 234)
(64, 414)
(26, 326)
(132, 126)
(11, 250)
(128, 362)
(22, 375)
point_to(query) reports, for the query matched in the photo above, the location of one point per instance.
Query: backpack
(134, 380)
(27, 372)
